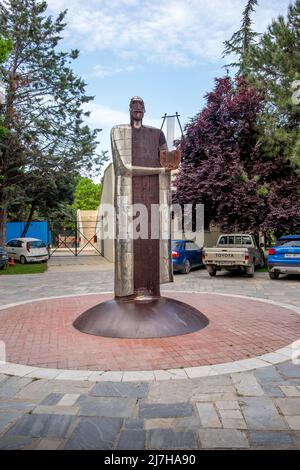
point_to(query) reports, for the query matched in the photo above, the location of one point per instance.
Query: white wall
(105, 224)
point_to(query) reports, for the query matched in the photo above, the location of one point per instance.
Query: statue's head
(137, 109)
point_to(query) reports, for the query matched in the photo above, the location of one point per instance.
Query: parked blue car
(186, 255)
(284, 258)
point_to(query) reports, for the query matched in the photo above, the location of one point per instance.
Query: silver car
(27, 250)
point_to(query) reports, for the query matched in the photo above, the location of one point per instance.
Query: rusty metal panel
(145, 153)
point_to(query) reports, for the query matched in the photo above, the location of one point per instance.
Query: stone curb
(244, 365)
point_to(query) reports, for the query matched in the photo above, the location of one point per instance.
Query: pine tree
(241, 41)
(276, 70)
(44, 105)
(5, 49)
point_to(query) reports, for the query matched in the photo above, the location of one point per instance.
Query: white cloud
(100, 71)
(105, 116)
(179, 32)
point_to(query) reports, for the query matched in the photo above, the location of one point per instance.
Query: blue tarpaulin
(37, 229)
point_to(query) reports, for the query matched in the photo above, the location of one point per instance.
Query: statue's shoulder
(118, 131)
(120, 126)
(152, 127)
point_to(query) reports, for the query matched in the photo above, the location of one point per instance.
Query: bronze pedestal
(151, 318)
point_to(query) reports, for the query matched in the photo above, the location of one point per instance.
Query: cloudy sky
(166, 51)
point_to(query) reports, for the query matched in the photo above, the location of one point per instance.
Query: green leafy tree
(6, 46)
(5, 49)
(239, 45)
(87, 194)
(276, 70)
(44, 114)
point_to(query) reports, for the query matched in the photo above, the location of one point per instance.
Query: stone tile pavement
(217, 412)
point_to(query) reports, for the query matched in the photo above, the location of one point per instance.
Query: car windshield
(37, 244)
(289, 243)
(175, 245)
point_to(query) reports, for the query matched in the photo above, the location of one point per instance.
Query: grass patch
(262, 270)
(33, 268)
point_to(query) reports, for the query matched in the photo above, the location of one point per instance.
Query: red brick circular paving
(41, 334)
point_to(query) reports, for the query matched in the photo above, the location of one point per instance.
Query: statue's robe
(141, 265)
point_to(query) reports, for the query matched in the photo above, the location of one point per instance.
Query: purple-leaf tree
(223, 166)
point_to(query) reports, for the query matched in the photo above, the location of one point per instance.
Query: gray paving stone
(247, 385)
(292, 382)
(170, 439)
(290, 390)
(289, 406)
(111, 407)
(36, 390)
(133, 423)
(260, 413)
(170, 391)
(228, 405)
(188, 423)
(94, 434)
(132, 439)
(212, 381)
(51, 399)
(165, 410)
(71, 386)
(272, 389)
(48, 444)
(223, 439)
(271, 440)
(212, 390)
(115, 389)
(267, 374)
(214, 397)
(56, 410)
(232, 419)
(208, 415)
(7, 419)
(40, 425)
(15, 442)
(289, 370)
(9, 388)
(3, 377)
(17, 406)
(68, 400)
(40, 389)
(293, 422)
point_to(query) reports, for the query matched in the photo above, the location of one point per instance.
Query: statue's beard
(137, 120)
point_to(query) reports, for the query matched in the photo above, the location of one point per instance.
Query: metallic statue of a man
(142, 165)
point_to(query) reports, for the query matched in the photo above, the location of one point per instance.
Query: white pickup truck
(237, 251)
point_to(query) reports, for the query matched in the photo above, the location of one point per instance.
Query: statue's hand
(170, 160)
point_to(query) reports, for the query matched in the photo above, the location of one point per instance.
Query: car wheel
(273, 275)
(212, 273)
(22, 259)
(187, 267)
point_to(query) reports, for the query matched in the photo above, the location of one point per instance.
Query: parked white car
(233, 251)
(27, 250)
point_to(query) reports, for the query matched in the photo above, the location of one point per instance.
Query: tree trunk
(29, 220)
(3, 220)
